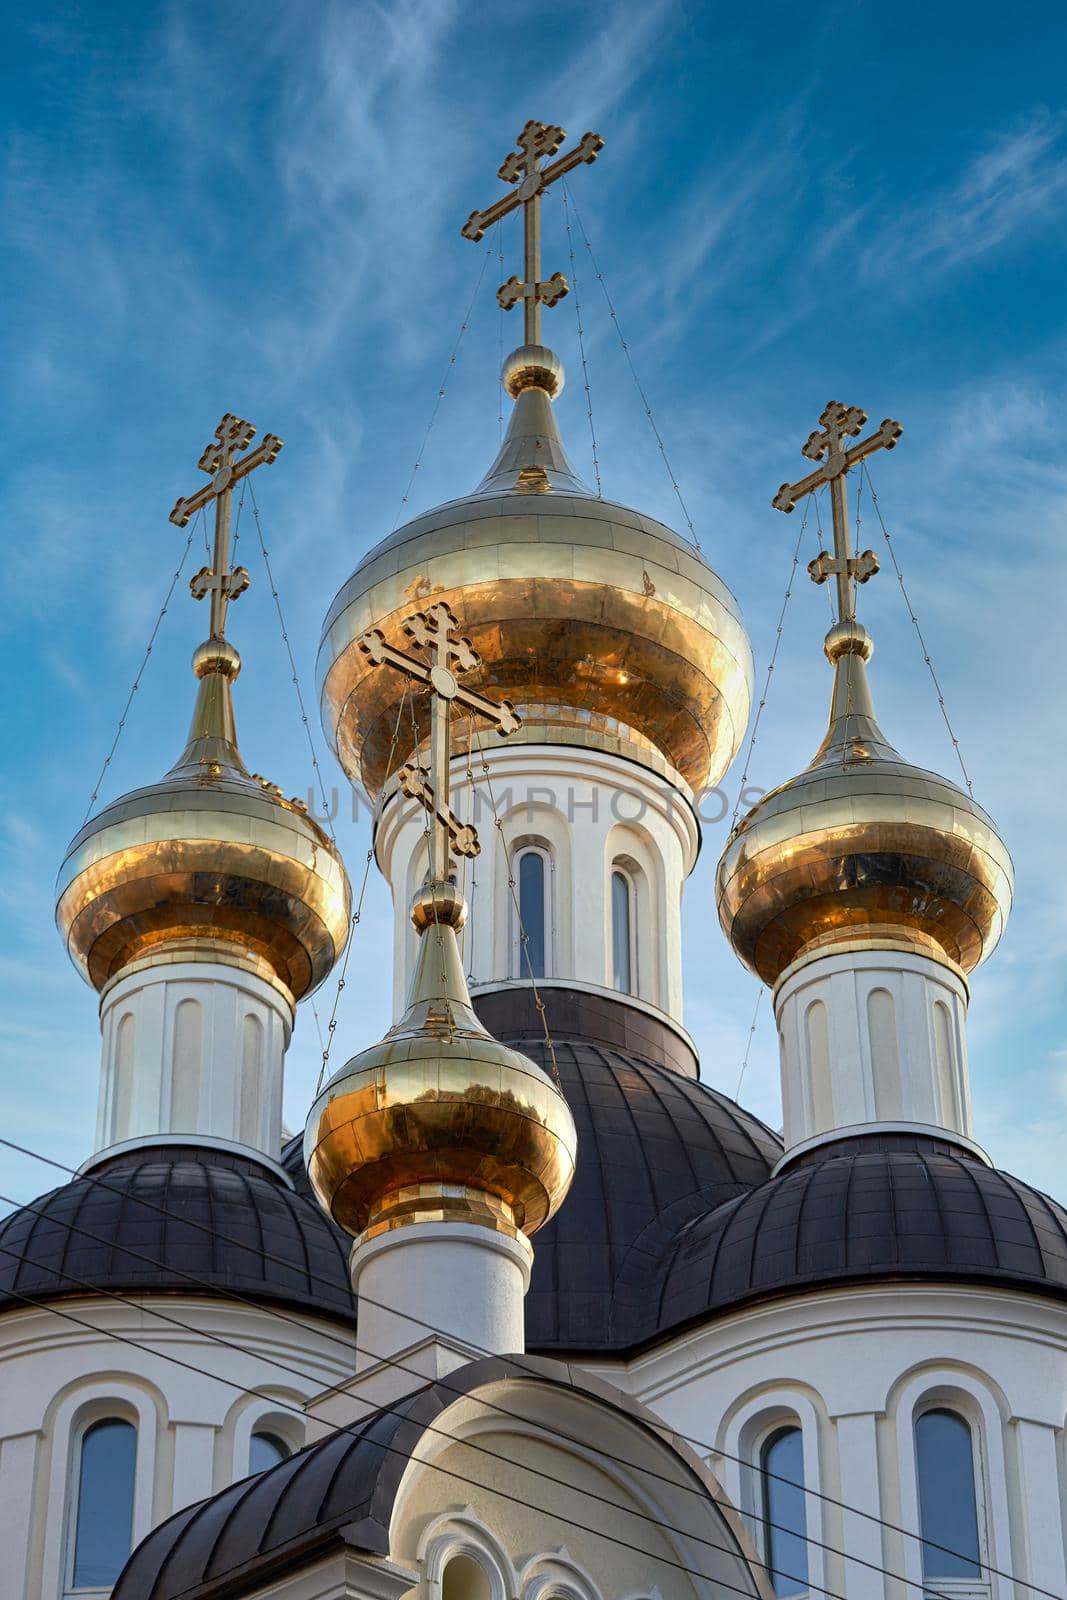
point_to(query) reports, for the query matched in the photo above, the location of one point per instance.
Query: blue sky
(258, 210)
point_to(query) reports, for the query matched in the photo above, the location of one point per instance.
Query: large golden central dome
(602, 625)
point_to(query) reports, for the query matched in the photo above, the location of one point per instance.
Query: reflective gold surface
(571, 602)
(211, 854)
(438, 1114)
(863, 847)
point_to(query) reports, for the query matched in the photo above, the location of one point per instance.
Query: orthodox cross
(537, 142)
(231, 435)
(435, 631)
(839, 423)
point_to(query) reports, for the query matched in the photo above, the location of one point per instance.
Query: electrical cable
(698, 1444)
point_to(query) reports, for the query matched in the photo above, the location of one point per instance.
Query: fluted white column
(872, 1037)
(193, 1048)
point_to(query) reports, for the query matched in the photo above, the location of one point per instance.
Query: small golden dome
(603, 626)
(862, 848)
(440, 1122)
(210, 855)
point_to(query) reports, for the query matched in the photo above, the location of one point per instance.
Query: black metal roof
(341, 1492)
(866, 1208)
(655, 1148)
(154, 1219)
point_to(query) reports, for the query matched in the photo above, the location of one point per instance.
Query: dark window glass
(105, 1503)
(785, 1528)
(532, 914)
(267, 1450)
(948, 1510)
(620, 933)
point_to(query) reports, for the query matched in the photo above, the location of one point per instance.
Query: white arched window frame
(623, 892)
(744, 1436)
(462, 1535)
(970, 1583)
(261, 1416)
(948, 1389)
(73, 1416)
(542, 863)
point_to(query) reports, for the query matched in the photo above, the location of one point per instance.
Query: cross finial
(223, 585)
(537, 142)
(435, 630)
(828, 445)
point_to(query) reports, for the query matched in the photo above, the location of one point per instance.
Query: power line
(396, 1363)
(700, 1445)
(356, 1432)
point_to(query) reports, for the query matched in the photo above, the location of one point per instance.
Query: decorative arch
(249, 1415)
(556, 1576)
(536, 825)
(463, 1535)
(983, 1406)
(632, 852)
(743, 1433)
(72, 1413)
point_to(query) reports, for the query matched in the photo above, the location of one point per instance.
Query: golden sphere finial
(533, 366)
(849, 638)
(216, 655)
(440, 903)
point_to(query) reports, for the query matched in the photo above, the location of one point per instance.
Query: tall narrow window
(532, 941)
(785, 1521)
(822, 1092)
(103, 1523)
(622, 933)
(948, 1506)
(885, 1055)
(945, 1065)
(265, 1451)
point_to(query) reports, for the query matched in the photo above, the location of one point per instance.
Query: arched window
(463, 1579)
(948, 1505)
(531, 941)
(266, 1450)
(102, 1518)
(622, 932)
(784, 1514)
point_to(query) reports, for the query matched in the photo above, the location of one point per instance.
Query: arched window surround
(261, 1416)
(742, 1437)
(463, 1533)
(633, 852)
(73, 1415)
(624, 940)
(953, 1389)
(533, 845)
(556, 1577)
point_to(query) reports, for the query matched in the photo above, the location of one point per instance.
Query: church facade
(531, 1312)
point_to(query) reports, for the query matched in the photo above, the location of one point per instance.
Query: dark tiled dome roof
(156, 1218)
(864, 1208)
(655, 1148)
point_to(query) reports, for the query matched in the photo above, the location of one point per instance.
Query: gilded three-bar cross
(435, 630)
(837, 424)
(218, 460)
(537, 142)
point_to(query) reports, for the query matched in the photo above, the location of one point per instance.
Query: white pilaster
(872, 1037)
(193, 1048)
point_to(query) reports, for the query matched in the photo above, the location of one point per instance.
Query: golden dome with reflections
(862, 848)
(211, 860)
(439, 1121)
(603, 626)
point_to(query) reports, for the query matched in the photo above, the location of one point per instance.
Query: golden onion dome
(439, 1121)
(212, 860)
(862, 848)
(603, 626)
